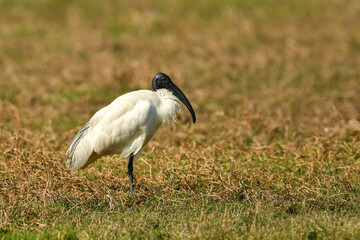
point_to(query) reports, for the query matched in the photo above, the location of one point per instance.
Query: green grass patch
(274, 153)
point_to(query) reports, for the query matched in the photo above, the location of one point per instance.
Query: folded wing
(123, 127)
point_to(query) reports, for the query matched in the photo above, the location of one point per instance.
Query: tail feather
(80, 150)
(76, 139)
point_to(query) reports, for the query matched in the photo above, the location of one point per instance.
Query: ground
(275, 151)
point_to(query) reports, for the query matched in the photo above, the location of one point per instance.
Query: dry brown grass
(275, 151)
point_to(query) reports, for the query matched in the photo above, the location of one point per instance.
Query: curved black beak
(180, 95)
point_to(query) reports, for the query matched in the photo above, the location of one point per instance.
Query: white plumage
(127, 124)
(123, 127)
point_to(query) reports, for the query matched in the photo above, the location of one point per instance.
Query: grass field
(275, 152)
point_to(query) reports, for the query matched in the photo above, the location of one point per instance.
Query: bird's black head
(161, 80)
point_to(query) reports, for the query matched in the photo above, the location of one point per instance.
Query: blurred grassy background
(275, 85)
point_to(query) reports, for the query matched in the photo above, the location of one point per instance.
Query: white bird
(127, 124)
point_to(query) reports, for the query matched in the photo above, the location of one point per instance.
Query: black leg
(130, 171)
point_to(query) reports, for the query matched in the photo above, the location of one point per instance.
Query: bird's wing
(126, 125)
(120, 106)
(80, 149)
(76, 139)
(123, 127)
